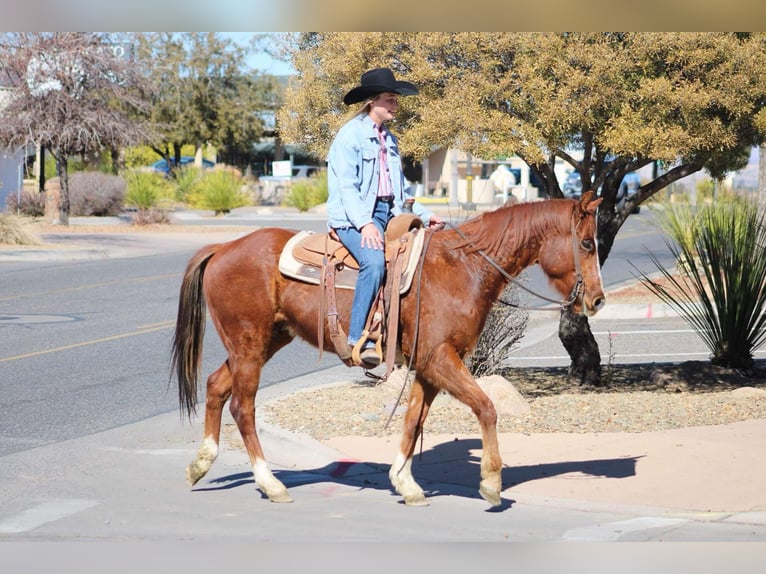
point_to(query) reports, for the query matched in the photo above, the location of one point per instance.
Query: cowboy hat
(376, 82)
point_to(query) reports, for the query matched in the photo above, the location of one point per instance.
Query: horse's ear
(588, 204)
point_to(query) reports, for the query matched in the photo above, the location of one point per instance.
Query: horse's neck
(514, 235)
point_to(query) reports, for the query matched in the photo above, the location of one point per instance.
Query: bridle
(578, 289)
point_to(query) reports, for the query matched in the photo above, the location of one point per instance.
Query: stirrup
(356, 352)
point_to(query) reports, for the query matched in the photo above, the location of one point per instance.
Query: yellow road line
(89, 286)
(140, 331)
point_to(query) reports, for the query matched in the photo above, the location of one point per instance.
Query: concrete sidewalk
(716, 469)
(710, 472)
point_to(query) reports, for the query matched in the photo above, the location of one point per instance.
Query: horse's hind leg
(242, 407)
(218, 391)
(419, 402)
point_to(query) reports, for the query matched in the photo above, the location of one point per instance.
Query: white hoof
(200, 466)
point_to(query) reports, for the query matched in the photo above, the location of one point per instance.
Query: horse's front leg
(400, 474)
(445, 370)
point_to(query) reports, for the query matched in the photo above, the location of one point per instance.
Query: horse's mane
(512, 225)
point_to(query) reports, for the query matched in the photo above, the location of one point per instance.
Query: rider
(366, 188)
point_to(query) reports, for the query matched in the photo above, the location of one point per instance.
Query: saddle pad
(345, 278)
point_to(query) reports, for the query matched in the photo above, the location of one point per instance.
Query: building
(11, 166)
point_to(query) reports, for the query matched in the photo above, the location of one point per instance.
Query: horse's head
(570, 259)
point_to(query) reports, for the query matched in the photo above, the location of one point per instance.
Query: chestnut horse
(257, 311)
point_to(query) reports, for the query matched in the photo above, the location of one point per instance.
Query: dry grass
(13, 231)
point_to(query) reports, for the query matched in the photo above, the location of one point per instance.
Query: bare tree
(71, 93)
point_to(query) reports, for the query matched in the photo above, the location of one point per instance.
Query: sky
(260, 61)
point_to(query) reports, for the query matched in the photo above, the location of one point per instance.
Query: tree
(202, 94)
(604, 103)
(72, 93)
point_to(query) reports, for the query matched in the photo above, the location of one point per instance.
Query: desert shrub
(219, 190)
(12, 232)
(187, 180)
(29, 204)
(504, 328)
(150, 194)
(720, 285)
(307, 193)
(96, 193)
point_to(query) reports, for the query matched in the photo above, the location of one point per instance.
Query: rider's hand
(435, 222)
(371, 237)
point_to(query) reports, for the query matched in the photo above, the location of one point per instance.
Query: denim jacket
(353, 167)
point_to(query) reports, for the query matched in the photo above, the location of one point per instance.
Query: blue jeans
(372, 269)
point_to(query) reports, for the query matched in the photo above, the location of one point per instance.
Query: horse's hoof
(281, 497)
(416, 501)
(490, 495)
(193, 474)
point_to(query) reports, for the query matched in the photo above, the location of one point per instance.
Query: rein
(565, 304)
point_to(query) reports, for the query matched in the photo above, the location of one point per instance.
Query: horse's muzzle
(596, 305)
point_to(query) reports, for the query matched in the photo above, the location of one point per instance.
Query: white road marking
(43, 513)
(615, 530)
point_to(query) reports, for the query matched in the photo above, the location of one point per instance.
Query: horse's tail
(186, 358)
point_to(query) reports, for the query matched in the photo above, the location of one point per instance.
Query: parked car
(628, 188)
(572, 186)
(162, 166)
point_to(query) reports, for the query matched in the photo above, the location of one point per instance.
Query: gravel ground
(664, 400)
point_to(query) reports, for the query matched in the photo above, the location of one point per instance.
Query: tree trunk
(61, 168)
(578, 340)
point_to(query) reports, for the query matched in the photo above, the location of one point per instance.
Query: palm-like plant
(720, 286)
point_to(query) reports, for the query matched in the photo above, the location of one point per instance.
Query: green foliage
(187, 180)
(307, 193)
(202, 92)
(146, 190)
(720, 288)
(219, 190)
(705, 190)
(73, 164)
(140, 156)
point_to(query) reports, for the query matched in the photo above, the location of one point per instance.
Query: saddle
(320, 259)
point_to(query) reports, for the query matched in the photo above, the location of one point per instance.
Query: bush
(12, 232)
(29, 204)
(149, 193)
(187, 180)
(720, 287)
(307, 193)
(96, 193)
(505, 326)
(219, 190)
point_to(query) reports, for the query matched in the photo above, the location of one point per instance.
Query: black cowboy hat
(376, 82)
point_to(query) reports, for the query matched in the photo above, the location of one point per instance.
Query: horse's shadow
(449, 468)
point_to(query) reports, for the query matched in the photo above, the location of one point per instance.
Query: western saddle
(321, 259)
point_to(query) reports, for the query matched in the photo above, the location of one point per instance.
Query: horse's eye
(587, 245)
